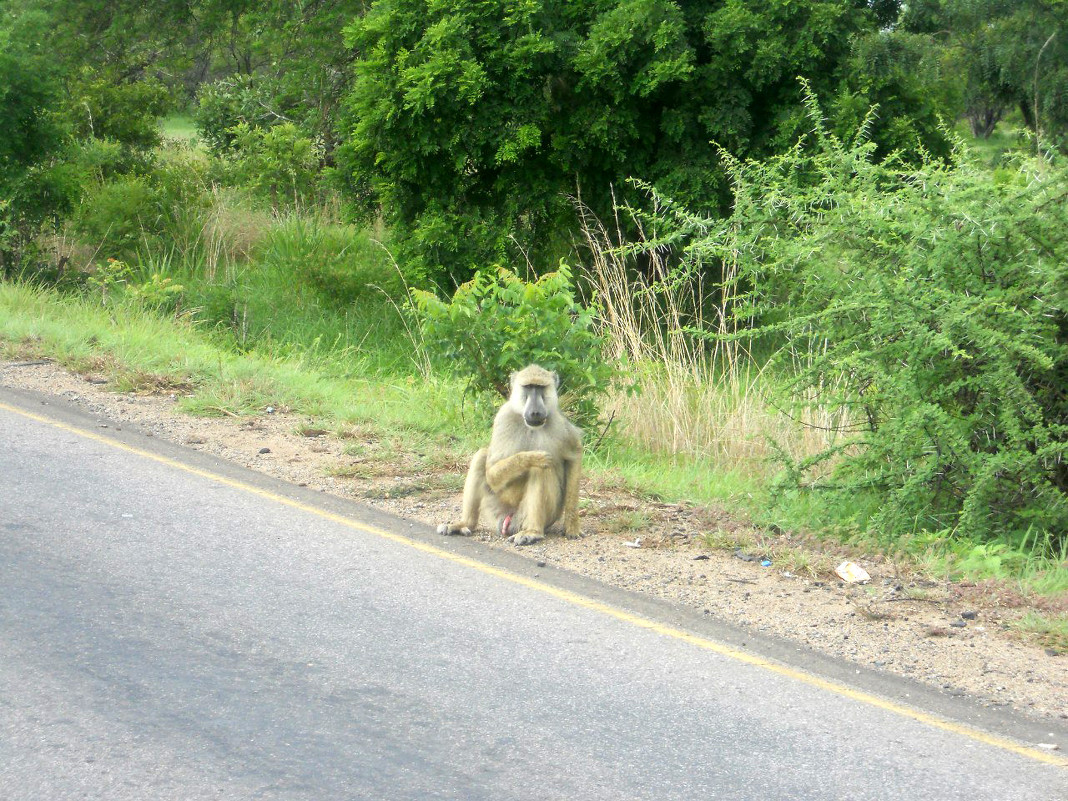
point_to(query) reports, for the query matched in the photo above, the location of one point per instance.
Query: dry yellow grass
(229, 235)
(704, 397)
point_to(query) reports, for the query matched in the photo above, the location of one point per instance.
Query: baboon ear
(556, 379)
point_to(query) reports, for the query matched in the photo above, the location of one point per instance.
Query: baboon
(528, 477)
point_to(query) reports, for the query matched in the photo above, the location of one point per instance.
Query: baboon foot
(450, 529)
(527, 537)
(571, 527)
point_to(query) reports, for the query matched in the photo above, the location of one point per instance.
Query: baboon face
(534, 395)
(534, 408)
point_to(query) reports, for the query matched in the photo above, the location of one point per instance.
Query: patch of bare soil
(953, 636)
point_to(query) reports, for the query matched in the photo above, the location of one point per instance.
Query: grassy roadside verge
(140, 350)
(296, 309)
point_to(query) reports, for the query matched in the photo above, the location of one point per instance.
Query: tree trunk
(1028, 112)
(984, 120)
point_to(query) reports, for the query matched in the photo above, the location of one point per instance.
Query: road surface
(172, 627)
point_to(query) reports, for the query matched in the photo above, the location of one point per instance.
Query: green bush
(929, 308)
(497, 323)
(182, 185)
(101, 159)
(279, 162)
(32, 188)
(227, 103)
(341, 264)
(160, 210)
(117, 217)
(102, 105)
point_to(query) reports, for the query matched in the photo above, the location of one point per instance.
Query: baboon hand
(527, 537)
(537, 460)
(449, 529)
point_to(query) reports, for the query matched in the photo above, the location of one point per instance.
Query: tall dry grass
(230, 233)
(702, 397)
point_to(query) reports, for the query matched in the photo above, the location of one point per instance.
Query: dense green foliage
(471, 128)
(225, 104)
(497, 323)
(900, 75)
(929, 307)
(287, 59)
(101, 105)
(158, 208)
(471, 123)
(31, 188)
(1002, 54)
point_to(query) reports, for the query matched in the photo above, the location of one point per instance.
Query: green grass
(665, 478)
(333, 380)
(180, 127)
(136, 346)
(325, 292)
(1050, 631)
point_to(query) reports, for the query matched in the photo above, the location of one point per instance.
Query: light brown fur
(528, 474)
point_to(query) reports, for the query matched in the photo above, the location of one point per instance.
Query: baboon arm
(571, 495)
(514, 467)
(473, 490)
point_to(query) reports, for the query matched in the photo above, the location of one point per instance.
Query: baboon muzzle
(534, 412)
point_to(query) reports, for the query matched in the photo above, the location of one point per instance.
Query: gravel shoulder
(955, 637)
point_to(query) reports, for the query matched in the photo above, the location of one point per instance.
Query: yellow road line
(576, 599)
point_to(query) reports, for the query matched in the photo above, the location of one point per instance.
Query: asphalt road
(173, 628)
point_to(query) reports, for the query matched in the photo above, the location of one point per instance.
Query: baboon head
(534, 394)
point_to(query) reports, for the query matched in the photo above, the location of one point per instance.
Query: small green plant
(498, 323)
(992, 559)
(627, 521)
(1051, 631)
(157, 292)
(109, 276)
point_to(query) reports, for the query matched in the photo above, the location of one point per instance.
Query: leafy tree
(100, 53)
(295, 50)
(32, 186)
(902, 76)
(469, 123)
(125, 36)
(268, 63)
(1005, 53)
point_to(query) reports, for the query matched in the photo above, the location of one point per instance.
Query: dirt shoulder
(954, 637)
